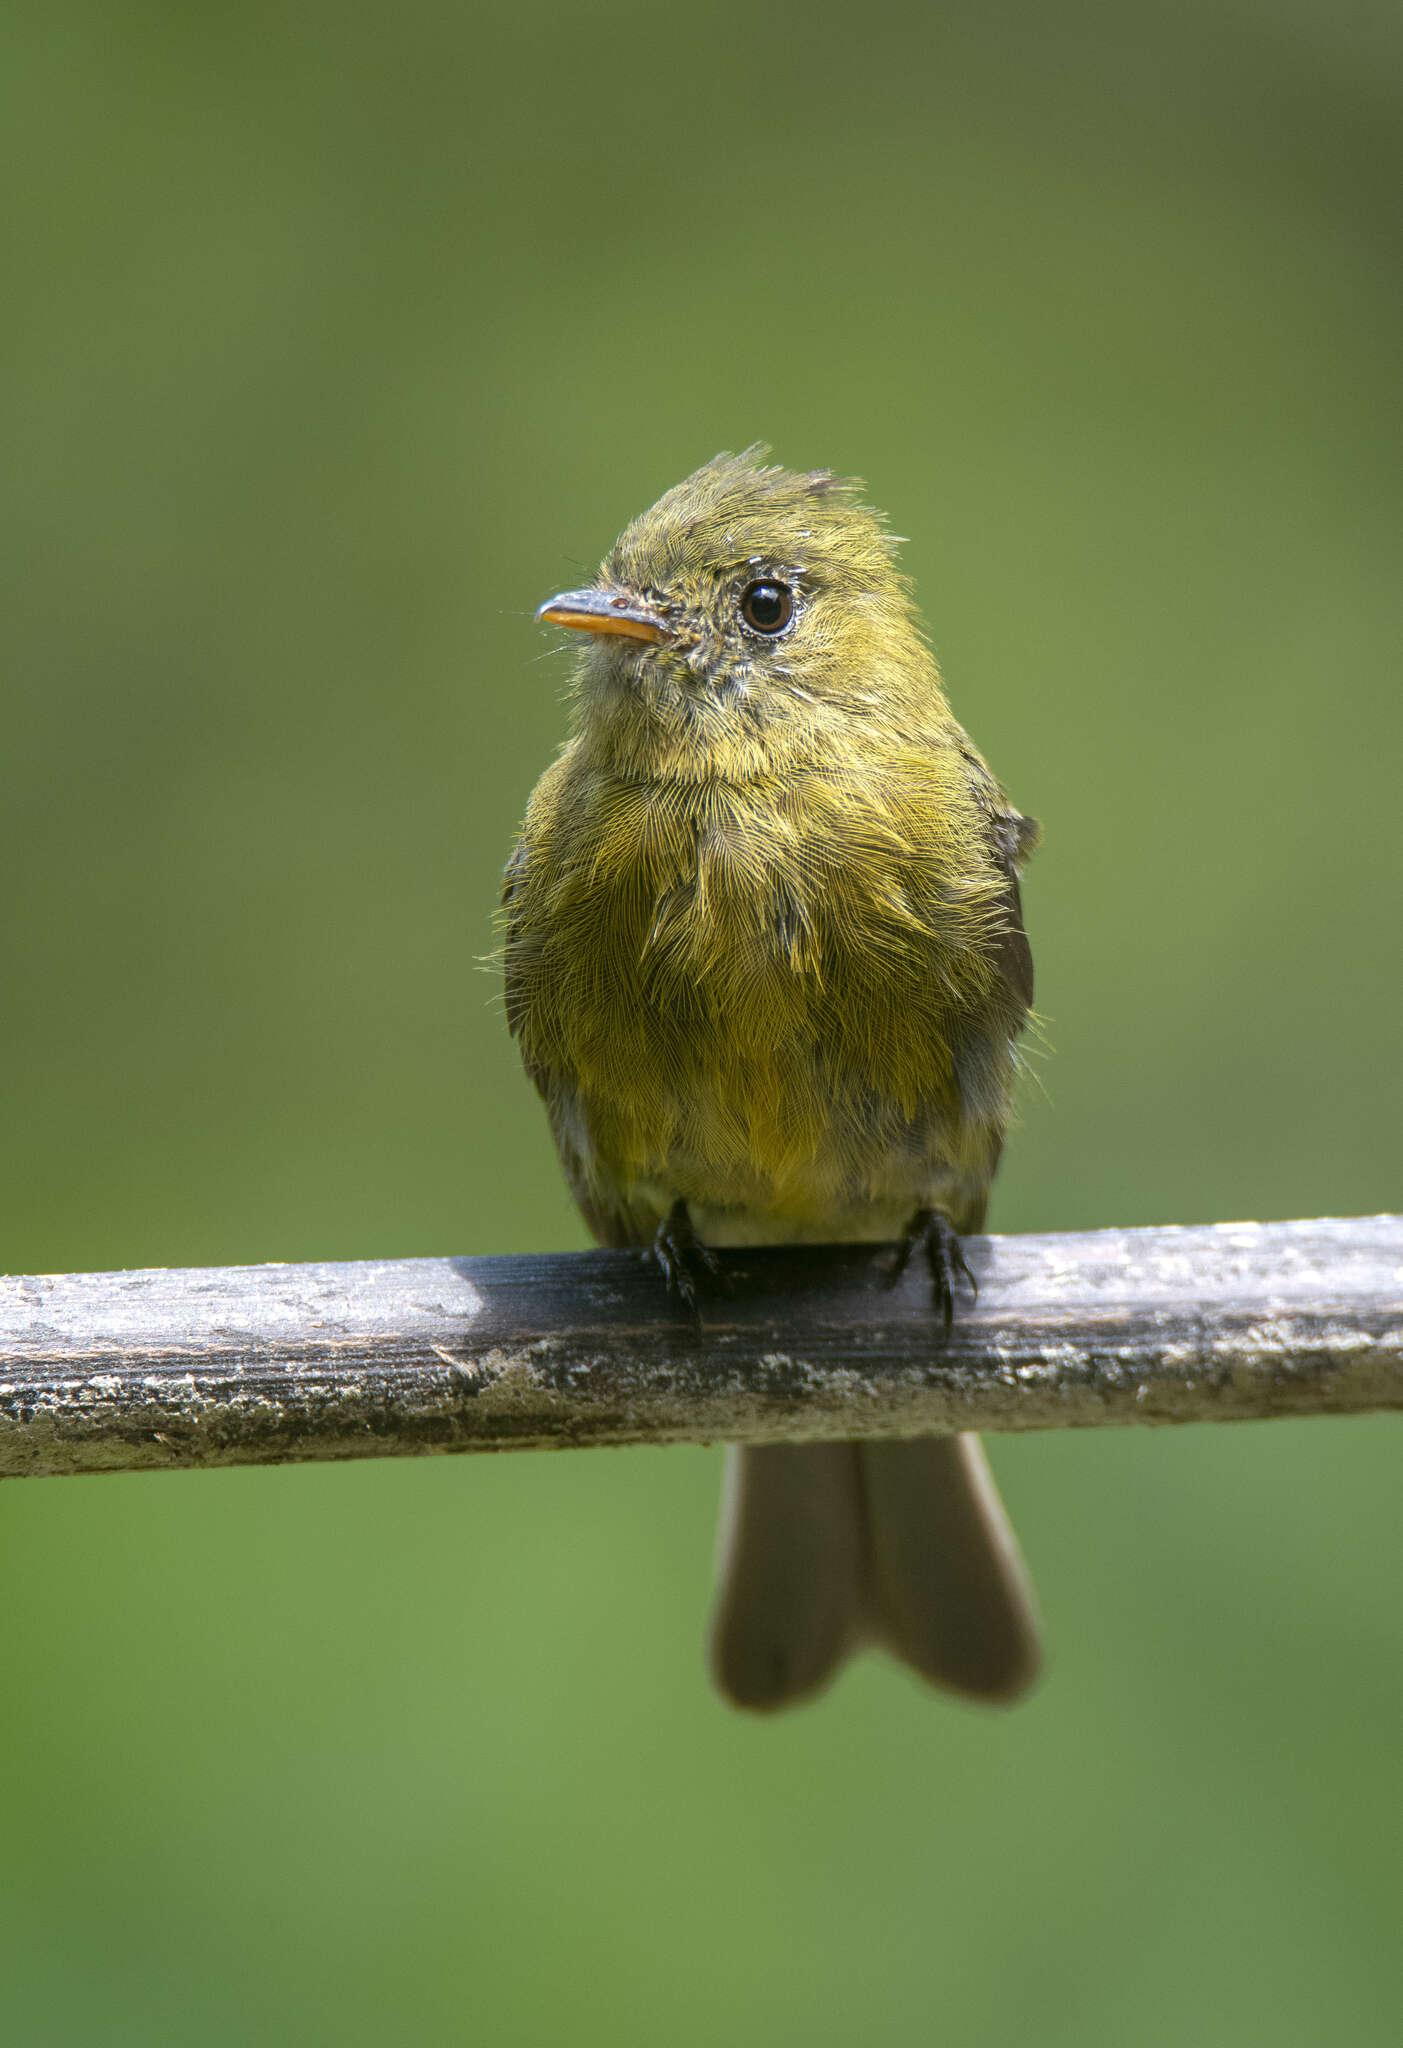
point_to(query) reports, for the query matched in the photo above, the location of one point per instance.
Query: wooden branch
(260, 1364)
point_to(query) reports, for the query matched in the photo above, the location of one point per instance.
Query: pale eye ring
(767, 606)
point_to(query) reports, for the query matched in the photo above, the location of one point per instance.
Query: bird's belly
(774, 1158)
(781, 1099)
(866, 1223)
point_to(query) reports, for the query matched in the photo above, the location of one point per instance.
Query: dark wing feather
(610, 1224)
(1013, 838)
(513, 877)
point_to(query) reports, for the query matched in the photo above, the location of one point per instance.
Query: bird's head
(745, 622)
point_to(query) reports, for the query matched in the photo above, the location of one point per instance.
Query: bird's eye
(767, 607)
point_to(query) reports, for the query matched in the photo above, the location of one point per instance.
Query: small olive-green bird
(766, 963)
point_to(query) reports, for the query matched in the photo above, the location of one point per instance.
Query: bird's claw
(944, 1256)
(685, 1262)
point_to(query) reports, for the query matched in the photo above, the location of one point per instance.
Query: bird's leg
(683, 1257)
(944, 1256)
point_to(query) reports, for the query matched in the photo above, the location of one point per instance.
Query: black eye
(767, 607)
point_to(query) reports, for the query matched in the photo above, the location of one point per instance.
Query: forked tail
(827, 1547)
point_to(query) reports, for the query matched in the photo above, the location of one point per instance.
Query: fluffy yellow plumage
(765, 958)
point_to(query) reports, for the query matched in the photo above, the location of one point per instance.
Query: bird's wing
(1012, 839)
(513, 882)
(611, 1222)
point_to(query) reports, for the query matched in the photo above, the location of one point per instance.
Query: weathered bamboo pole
(264, 1364)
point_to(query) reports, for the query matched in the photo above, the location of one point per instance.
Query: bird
(765, 962)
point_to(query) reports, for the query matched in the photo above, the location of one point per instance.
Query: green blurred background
(334, 339)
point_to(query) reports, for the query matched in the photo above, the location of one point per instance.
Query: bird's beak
(604, 611)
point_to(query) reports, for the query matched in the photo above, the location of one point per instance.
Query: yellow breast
(770, 997)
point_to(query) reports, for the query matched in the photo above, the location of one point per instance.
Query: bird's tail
(827, 1547)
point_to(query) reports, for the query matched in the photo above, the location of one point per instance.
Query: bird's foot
(929, 1230)
(684, 1260)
